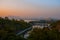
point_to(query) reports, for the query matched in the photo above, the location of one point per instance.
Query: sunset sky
(30, 8)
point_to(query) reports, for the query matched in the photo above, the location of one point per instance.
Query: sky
(30, 8)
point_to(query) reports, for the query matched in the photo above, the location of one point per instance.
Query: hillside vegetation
(9, 28)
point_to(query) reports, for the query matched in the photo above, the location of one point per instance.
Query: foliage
(56, 25)
(9, 28)
(44, 34)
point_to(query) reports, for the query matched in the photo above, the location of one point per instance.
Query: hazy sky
(30, 8)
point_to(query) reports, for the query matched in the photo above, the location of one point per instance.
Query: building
(40, 25)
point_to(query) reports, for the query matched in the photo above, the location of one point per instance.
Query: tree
(44, 34)
(9, 28)
(56, 25)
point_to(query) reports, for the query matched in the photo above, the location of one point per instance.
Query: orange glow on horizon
(8, 12)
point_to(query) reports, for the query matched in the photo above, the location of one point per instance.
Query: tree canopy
(9, 28)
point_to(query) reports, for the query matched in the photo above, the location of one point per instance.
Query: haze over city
(30, 8)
